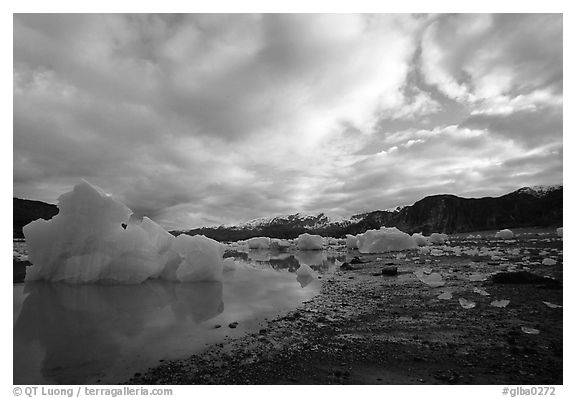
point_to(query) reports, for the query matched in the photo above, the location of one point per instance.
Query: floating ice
(384, 240)
(504, 234)
(420, 239)
(560, 231)
(279, 244)
(548, 261)
(351, 242)
(437, 238)
(261, 242)
(309, 242)
(200, 259)
(92, 240)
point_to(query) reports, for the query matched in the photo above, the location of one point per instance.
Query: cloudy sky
(199, 120)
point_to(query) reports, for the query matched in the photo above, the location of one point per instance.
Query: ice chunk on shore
(445, 296)
(351, 242)
(504, 234)
(500, 303)
(261, 242)
(466, 304)
(437, 238)
(309, 242)
(420, 239)
(548, 261)
(384, 240)
(432, 279)
(91, 240)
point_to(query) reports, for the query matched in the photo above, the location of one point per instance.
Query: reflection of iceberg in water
(79, 330)
(289, 263)
(304, 280)
(311, 257)
(323, 261)
(259, 255)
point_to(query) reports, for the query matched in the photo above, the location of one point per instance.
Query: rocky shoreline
(369, 328)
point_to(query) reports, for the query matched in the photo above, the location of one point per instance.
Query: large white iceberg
(384, 240)
(92, 240)
(309, 242)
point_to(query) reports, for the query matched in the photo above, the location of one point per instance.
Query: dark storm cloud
(195, 119)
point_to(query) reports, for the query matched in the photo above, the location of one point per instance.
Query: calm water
(89, 334)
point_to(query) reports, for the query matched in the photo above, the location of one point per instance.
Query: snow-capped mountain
(539, 191)
(528, 206)
(298, 219)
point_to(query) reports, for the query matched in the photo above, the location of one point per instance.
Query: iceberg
(420, 239)
(309, 242)
(92, 239)
(438, 238)
(229, 264)
(261, 242)
(200, 259)
(279, 244)
(504, 234)
(560, 232)
(351, 242)
(384, 240)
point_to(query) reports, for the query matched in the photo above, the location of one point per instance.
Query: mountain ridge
(447, 213)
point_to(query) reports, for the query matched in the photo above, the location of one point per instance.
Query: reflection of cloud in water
(263, 291)
(77, 334)
(87, 324)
